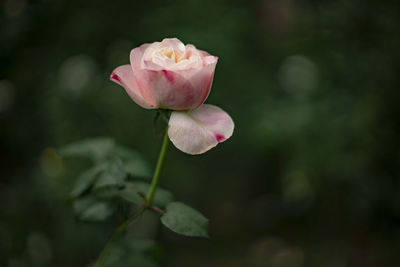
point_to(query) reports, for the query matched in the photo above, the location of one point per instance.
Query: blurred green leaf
(91, 209)
(185, 220)
(105, 178)
(141, 260)
(130, 193)
(92, 148)
(129, 259)
(117, 252)
(131, 252)
(111, 179)
(161, 198)
(133, 161)
(120, 258)
(124, 152)
(137, 168)
(86, 180)
(141, 244)
(113, 175)
(106, 191)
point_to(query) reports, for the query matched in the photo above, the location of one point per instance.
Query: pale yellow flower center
(170, 53)
(173, 54)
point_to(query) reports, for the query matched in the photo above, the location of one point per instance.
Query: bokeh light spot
(51, 163)
(298, 76)
(77, 73)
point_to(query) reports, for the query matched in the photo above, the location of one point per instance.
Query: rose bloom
(171, 75)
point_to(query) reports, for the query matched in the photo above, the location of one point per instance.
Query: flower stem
(149, 198)
(156, 177)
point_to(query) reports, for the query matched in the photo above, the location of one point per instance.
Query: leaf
(129, 259)
(137, 168)
(124, 152)
(111, 179)
(133, 161)
(86, 180)
(141, 260)
(114, 256)
(185, 220)
(161, 198)
(130, 193)
(117, 258)
(91, 148)
(106, 191)
(141, 245)
(91, 209)
(131, 252)
(114, 174)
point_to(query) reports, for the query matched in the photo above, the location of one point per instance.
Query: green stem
(149, 198)
(160, 163)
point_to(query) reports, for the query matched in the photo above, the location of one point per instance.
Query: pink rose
(170, 75)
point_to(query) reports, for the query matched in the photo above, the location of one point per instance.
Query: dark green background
(309, 178)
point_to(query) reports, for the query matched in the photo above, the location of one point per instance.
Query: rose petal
(197, 131)
(172, 89)
(123, 75)
(137, 64)
(136, 56)
(210, 60)
(180, 57)
(204, 79)
(168, 89)
(175, 43)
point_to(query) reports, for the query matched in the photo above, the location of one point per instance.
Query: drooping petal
(197, 131)
(123, 75)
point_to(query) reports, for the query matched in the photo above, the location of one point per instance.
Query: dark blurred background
(309, 178)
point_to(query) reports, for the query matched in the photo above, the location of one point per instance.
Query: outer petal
(123, 75)
(165, 88)
(202, 80)
(197, 131)
(136, 56)
(168, 89)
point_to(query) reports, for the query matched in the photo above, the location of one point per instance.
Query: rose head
(171, 75)
(167, 75)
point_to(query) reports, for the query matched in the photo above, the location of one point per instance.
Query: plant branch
(157, 173)
(148, 198)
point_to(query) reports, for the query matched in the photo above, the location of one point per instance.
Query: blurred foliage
(116, 184)
(309, 178)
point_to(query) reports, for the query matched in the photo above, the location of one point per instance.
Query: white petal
(197, 131)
